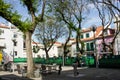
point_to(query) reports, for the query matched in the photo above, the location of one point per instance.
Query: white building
(54, 51)
(117, 40)
(11, 42)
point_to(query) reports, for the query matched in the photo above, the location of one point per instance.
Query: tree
(71, 12)
(28, 26)
(110, 9)
(49, 32)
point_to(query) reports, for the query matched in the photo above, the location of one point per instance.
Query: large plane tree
(35, 10)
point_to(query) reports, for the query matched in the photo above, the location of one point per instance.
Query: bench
(48, 68)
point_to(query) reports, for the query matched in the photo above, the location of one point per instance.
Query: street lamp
(14, 40)
(95, 53)
(63, 56)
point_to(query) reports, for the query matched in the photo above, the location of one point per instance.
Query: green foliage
(31, 5)
(14, 17)
(35, 49)
(4, 6)
(8, 14)
(26, 25)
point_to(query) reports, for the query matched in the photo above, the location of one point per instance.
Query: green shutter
(87, 35)
(81, 36)
(92, 46)
(87, 46)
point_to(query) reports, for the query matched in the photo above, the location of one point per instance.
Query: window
(81, 36)
(92, 46)
(87, 47)
(87, 35)
(1, 31)
(15, 53)
(24, 45)
(15, 43)
(15, 35)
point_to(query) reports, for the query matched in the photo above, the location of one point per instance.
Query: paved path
(67, 74)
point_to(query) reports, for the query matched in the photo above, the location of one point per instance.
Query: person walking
(75, 71)
(60, 68)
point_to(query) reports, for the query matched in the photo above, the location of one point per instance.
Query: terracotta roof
(111, 35)
(13, 27)
(98, 33)
(86, 30)
(3, 26)
(57, 43)
(98, 30)
(34, 42)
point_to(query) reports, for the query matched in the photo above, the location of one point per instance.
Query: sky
(92, 18)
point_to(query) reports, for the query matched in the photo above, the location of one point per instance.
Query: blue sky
(92, 19)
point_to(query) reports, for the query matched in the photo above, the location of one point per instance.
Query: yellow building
(1, 56)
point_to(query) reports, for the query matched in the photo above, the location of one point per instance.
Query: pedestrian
(75, 71)
(59, 69)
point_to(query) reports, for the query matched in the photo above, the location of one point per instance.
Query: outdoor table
(48, 68)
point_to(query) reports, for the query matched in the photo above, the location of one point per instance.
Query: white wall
(52, 52)
(8, 50)
(117, 45)
(91, 34)
(117, 40)
(19, 47)
(8, 41)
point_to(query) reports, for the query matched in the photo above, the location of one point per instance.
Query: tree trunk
(47, 56)
(30, 65)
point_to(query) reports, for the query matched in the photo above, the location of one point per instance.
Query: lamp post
(63, 56)
(95, 53)
(14, 40)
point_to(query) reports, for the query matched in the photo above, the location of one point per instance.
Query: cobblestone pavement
(67, 74)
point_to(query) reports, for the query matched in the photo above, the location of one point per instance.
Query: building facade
(11, 42)
(93, 41)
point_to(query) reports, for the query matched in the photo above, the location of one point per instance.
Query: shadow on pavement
(13, 77)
